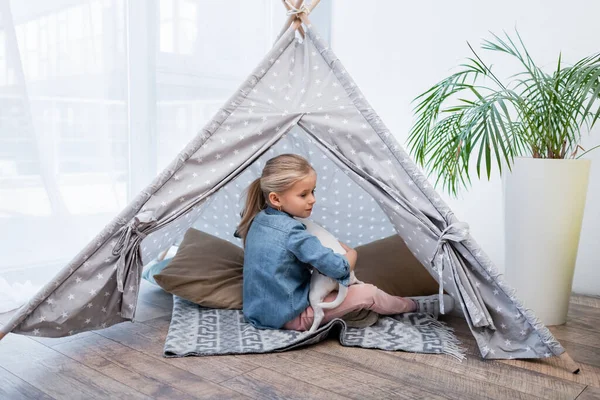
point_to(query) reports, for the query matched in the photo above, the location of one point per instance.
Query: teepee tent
(298, 99)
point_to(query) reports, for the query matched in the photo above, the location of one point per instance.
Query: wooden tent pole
(2, 334)
(291, 18)
(297, 25)
(304, 17)
(569, 363)
(314, 4)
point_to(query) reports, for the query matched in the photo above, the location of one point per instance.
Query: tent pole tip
(569, 363)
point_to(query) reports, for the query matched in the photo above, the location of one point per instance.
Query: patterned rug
(199, 331)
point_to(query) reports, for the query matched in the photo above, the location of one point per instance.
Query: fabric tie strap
(456, 232)
(295, 11)
(130, 237)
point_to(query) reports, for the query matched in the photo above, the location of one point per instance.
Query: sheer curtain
(96, 97)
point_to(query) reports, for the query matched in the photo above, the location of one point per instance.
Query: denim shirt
(277, 259)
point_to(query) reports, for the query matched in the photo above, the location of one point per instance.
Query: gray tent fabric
(299, 99)
(337, 195)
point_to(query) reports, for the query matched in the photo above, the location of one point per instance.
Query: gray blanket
(198, 331)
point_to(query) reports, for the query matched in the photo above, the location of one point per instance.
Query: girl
(278, 253)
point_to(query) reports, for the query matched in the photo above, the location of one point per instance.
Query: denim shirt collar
(273, 211)
(270, 211)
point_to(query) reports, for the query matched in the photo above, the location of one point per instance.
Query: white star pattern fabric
(343, 207)
(299, 100)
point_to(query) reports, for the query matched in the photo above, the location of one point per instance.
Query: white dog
(321, 285)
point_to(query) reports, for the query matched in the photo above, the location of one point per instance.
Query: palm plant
(473, 113)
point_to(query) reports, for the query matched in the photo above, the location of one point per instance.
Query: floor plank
(263, 383)
(56, 374)
(592, 301)
(588, 355)
(436, 380)
(150, 341)
(13, 387)
(141, 372)
(160, 323)
(590, 393)
(51, 342)
(497, 373)
(155, 295)
(126, 361)
(573, 334)
(551, 367)
(311, 367)
(584, 317)
(147, 311)
(590, 374)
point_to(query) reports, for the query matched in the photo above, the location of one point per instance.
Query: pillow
(206, 270)
(388, 264)
(326, 238)
(154, 268)
(209, 271)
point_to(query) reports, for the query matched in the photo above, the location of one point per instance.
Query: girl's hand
(351, 255)
(347, 248)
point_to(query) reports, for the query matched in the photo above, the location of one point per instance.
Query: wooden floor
(125, 361)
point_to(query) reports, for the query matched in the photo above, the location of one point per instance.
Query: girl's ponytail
(255, 202)
(278, 175)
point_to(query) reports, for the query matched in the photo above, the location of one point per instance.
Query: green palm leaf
(472, 114)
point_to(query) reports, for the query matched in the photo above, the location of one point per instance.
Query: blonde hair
(279, 174)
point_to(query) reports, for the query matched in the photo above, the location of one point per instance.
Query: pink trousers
(361, 296)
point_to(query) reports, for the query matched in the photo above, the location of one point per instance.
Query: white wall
(396, 50)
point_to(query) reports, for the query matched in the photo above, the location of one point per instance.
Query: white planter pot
(544, 202)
